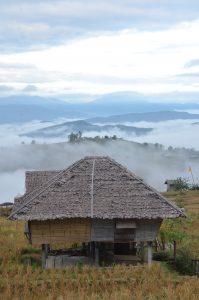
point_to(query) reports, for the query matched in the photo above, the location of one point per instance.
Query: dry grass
(20, 281)
(187, 199)
(89, 283)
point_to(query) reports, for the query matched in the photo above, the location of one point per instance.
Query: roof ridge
(43, 188)
(92, 185)
(43, 171)
(130, 173)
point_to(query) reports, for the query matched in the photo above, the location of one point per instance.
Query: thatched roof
(93, 187)
(35, 179)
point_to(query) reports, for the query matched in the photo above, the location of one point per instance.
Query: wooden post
(150, 255)
(45, 249)
(156, 245)
(141, 251)
(92, 251)
(96, 254)
(174, 249)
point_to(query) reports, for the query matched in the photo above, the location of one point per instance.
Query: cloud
(179, 133)
(15, 180)
(87, 9)
(30, 24)
(188, 75)
(30, 88)
(6, 88)
(192, 63)
(15, 66)
(134, 60)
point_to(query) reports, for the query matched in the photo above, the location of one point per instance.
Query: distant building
(97, 202)
(171, 185)
(6, 204)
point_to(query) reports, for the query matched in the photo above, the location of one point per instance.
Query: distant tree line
(184, 184)
(77, 137)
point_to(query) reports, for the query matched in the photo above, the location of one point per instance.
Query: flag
(190, 170)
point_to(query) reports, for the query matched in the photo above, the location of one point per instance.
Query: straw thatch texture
(96, 187)
(35, 179)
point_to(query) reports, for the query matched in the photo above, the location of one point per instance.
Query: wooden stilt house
(96, 201)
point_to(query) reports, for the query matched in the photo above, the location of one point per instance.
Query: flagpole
(192, 175)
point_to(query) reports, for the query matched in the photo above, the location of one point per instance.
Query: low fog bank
(176, 133)
(11, 185)
(150, 162)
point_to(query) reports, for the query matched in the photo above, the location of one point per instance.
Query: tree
(170, 234)
(72, 137)
(181, 184)
(79, 134)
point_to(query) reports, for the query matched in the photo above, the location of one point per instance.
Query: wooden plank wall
(102, 230)
(122, 235)
(60, 231)
(147, 230)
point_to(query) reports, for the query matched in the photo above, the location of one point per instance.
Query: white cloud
(152, 58)
(178, 133)
(84, 9)
(11, 179)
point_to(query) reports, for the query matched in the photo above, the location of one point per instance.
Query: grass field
(187, 199)
(21, 281)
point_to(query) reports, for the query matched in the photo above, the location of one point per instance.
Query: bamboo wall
(60, 231)
(86, 230)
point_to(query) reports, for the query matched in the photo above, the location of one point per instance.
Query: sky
(97, 47)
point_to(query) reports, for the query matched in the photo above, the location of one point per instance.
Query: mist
(153, 164)
(176, 133)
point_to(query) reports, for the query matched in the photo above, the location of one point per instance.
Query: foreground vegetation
(20, 280)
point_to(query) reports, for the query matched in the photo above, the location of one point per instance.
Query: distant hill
(148, 117)
(125, 102)
(24, 108)
(65, 128)
(19, 109)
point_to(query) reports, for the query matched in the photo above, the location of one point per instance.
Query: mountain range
(148, 117)
(110, 125)
(64, 129)
(24, 108)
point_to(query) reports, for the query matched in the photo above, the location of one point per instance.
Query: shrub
(183, 262)
(194, 186)
(181, 184)
(161, 256)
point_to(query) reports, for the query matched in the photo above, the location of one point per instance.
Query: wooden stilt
(96, 254)
(174, 249)
(92, 251)
(149, 254)
(45, 249)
